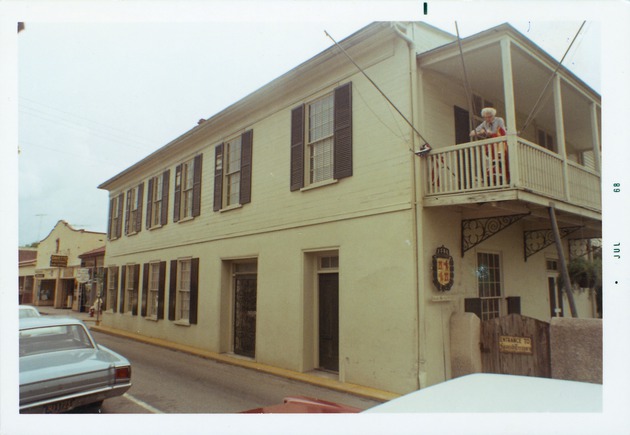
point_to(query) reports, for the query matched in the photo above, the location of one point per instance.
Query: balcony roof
(532, 68)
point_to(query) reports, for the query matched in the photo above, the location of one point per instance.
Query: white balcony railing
(488, 166)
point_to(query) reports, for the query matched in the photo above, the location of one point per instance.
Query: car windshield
(53, 339)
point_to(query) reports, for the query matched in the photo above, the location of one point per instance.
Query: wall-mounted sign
(443, 270)
(58, 261)
(508, 344)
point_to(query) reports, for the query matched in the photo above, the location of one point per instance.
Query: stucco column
(510, 109)
(595, 133)
(562, 151)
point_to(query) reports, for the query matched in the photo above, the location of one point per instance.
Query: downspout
(413, 84)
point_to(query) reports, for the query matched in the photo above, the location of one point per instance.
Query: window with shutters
(156, 193)
(154, 280)
(112, 288)
(114, 228)
(321, 139)
(233, 172)
(131, 290)
(545, 140)
(183, 290)
(133, 217)
(489, 284)
(188, 189)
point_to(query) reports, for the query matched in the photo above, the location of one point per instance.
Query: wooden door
(515, 345)
(329, 321)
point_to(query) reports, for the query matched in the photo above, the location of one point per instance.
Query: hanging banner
(443, 270)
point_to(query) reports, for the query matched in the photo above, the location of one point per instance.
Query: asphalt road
(168, 381)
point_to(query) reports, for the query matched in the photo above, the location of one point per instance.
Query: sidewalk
(310, 378)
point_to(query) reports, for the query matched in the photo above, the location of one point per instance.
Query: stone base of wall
(465, 350)
(576, 349)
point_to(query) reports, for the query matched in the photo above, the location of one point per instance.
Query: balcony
(508, 168)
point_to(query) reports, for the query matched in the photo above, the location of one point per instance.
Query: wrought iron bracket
(475, 231)
(537, 240)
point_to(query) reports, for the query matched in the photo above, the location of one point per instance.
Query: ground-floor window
(245, 301)
(183, 290)
(112, 288)
(489, 284)
(131, 289)
(154, 280)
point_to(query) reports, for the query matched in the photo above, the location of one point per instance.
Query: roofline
(508, 28)
(72, 229)
(331, 51)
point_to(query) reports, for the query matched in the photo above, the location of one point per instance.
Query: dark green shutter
(196, 202)
(136, 288)
(121, 200)
(165, 185)
(194, 290)
(149, 221)
(246, 167)
(343, 131)
(140, 199)
(178, 193)
(128, 212)
(297, 148)
(172, 291)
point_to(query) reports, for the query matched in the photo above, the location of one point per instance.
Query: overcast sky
(96, 97)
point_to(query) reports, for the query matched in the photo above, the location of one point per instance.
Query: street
(167, 381)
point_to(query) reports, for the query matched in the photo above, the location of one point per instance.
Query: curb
(354, 389)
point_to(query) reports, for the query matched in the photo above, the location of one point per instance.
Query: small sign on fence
(509, 344)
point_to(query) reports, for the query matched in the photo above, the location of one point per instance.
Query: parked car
(303, 405)
(486, 392)
(62, 367)
(28, 311)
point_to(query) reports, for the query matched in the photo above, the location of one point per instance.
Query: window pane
(322, 160)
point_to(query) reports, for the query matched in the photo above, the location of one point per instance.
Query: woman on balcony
(492, 126)
(498, 172)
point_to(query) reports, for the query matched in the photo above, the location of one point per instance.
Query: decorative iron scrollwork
(475, 231)
(538, 240)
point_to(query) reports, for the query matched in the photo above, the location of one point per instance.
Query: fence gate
(515, 345)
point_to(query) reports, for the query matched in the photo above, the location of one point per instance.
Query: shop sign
(509, 344)
(58, 261)
(443, 270)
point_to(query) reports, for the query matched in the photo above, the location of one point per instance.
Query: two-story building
(299, 228)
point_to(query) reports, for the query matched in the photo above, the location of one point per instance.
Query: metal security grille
(489, 284)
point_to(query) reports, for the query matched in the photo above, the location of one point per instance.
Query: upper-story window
(321, 139)
(133, 218)
(188, 189)
(157, 200)
(545, 140)
(233, 172)
(114, 227)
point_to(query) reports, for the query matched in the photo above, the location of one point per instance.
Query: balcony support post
(510, 110)
(562, 150)
(595, 132)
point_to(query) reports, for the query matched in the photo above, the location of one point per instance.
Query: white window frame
(319, 156)
(491, 289)
(232, 173)
(115, 217)
(182, 303)
(133, 212)
(187, 181)
(112, 287)
(131, 293)
(153, 289)
(156, 201)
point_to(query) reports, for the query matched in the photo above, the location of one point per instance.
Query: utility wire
(535, 109)
(377, 88)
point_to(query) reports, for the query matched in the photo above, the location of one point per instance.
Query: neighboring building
(57, 265)
(298, 227)
(27, 259)
(88, 291)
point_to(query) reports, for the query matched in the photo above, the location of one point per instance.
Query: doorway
(328, 286)
(245, 284)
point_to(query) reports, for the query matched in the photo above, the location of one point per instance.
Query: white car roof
(485, 392)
